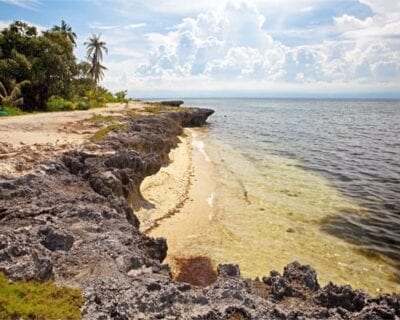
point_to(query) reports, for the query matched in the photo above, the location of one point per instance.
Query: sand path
(54, 127)
(28, 140)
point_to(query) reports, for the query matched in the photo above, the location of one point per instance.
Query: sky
(234, 48)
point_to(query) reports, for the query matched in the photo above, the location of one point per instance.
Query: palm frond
(15, 93)
(18, 102)
(3, 91)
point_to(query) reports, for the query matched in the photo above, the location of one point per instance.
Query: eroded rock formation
(73, 221)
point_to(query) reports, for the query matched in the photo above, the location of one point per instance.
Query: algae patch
(99, 118)
(156, 108)
(36, 300)
(101, 134)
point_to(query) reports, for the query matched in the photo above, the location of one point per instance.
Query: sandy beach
(28, 140)
(179, 198)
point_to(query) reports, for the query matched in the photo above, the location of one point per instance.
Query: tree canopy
(45, 63)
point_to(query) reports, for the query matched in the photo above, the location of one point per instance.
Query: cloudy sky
(264, 48)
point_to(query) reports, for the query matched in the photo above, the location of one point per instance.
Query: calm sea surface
(333, 164)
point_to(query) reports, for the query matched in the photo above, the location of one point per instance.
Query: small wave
(199, 145)
(210, 201)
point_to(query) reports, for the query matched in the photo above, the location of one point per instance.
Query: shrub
(82, 105)
(108, 97)
(120, 96)
(96, 98)
(10, 111)
(59, 104)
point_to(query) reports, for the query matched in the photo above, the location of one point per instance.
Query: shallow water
(314, 180)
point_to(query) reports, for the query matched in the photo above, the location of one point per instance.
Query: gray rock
(76, 223)
(172, 103)
(228, 270)
(55, 239)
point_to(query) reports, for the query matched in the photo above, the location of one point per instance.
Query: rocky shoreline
(73, 221)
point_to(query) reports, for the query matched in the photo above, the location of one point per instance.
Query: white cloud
(229, 48)
(99, 26)
(385, 7)
(27, 4)
(134, 26)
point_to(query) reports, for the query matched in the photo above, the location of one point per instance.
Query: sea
(317, 181)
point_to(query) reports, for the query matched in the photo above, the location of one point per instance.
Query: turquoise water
(353, 145)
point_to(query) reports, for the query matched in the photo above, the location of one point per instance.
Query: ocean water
(316, 181)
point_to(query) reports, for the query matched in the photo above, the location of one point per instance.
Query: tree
(120, 96)
(46, 60)
(83, 82)
(53, 68)
(66, 30)
(95, 48)
(12, 97)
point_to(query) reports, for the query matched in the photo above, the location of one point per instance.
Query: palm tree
(12, 98)
(95, 48)
(66, 29)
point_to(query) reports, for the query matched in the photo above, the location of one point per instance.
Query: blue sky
(180, 48)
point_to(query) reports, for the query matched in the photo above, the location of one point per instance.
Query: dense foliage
(39, 71)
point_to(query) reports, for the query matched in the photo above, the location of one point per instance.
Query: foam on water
(199, 145)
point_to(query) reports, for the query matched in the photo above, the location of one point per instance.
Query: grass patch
(36, 300)
(103, 132)
(98, 118)
(156, 108)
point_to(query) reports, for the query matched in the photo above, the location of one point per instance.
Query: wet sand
(180, 199)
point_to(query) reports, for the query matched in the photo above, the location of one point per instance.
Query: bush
(94, 104)
(59, 104)
(120, 96)
(10, 111)
(82, 105)
(108, 97)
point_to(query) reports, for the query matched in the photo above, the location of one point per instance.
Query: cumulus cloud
(230, 46)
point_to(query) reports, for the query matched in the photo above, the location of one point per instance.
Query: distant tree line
(39, 71)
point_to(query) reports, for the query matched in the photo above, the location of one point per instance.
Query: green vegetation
(10, 111)
(35, 300)
(120, 96)
(59, 104)
(12, 97)
(156, 108)
(99, 118)
(95, 48)
(82, 105)
(66, 30)
(103, 132)
(39, 71)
